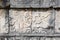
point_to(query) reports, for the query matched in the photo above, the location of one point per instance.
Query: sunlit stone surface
(3, 24)
(20, 20)
(36, 18)
(57, 21)
(41, 21)
(27, 21)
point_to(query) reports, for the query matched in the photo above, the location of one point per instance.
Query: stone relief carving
(31, 21)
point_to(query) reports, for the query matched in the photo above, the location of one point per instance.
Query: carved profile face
(26, 21)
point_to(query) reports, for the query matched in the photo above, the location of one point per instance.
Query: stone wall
(29, 20)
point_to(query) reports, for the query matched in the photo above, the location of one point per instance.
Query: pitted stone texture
(49, 38)
(30, 3)
(24, 38)
(21, 20)
(34, 3)
(27, 21)
(56, 3)
(3, 26)
(57, 21)
(34, 38)
(42, 20)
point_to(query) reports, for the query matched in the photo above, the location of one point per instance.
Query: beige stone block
(3, 26)
(41, 20)
(27, 21)
(21, 20)
(57, 21)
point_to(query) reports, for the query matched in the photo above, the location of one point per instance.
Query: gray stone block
(30, 3)
(34, 38)
(56, 3)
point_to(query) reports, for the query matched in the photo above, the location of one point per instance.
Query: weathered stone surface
(24, 38)
(56, 3)
(30, 3)
(4, 3)
(27, 21)
(34, 3)
(35, 38)
(3, 24)
(57, 21)
(42, 21)
(48, 38)
(21, 20)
